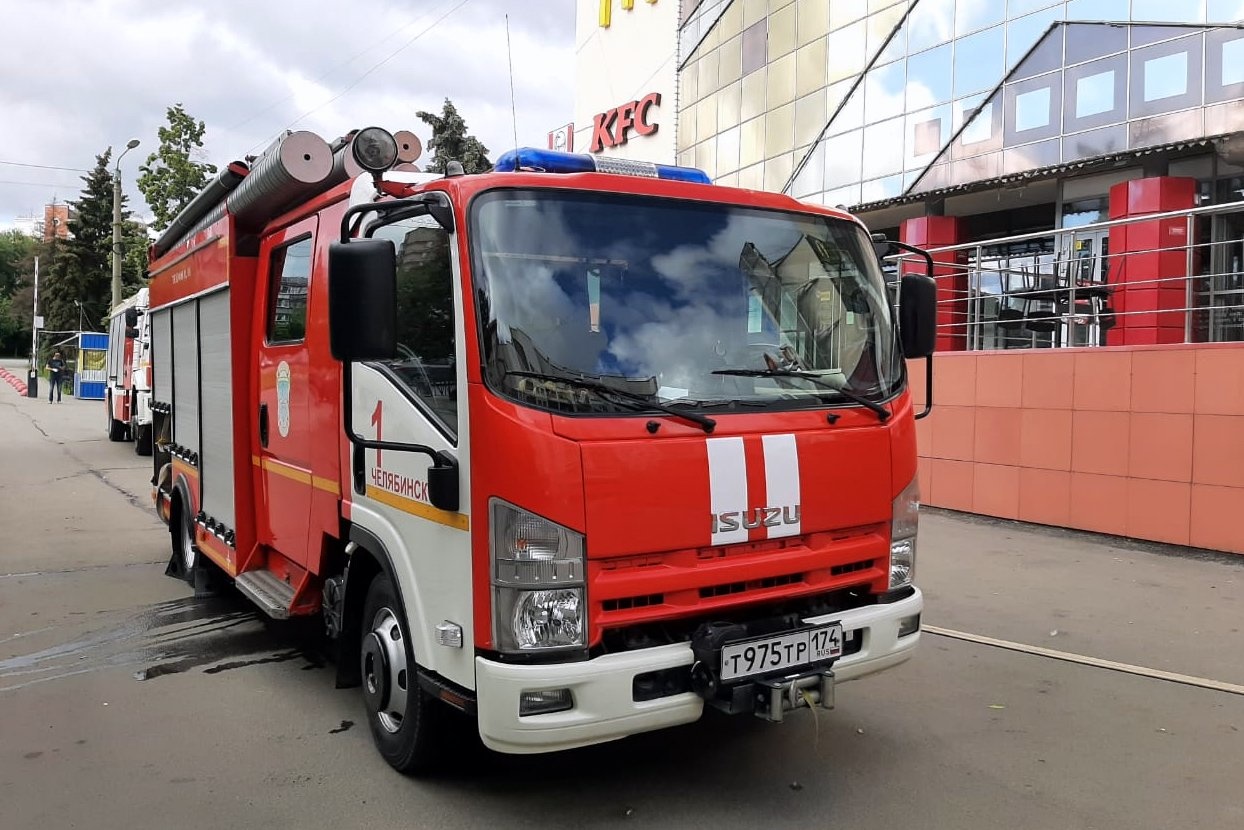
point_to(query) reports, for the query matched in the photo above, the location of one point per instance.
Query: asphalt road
(124, 702)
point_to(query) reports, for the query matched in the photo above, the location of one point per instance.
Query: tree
(15, 247)
(78, 286)
(170, 178)
(451, 142)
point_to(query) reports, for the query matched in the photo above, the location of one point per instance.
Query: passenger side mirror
(917, 309)
(362, 300)
(443, 483)
(131, 318)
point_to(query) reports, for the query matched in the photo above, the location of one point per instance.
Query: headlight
(538, 582)
(903, 527)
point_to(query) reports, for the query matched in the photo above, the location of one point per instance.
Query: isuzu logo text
(758, 517)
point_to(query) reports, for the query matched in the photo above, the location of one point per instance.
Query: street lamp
(116, 224)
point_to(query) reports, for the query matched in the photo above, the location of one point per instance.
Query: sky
(77, 76)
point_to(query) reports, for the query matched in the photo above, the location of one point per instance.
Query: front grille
(711, 591)
(680, 630)
(627, 603)
(851, 567)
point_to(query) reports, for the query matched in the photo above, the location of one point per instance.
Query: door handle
(263, 425)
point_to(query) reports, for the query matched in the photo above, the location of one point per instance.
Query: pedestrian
(56, 370)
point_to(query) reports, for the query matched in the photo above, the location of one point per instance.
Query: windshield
(660, 297)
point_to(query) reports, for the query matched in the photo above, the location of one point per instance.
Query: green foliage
(134, 245)
(171, 178)
(451, 142)
(78, 284)
(15, 248)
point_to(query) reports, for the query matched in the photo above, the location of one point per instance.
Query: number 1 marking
(377, 420)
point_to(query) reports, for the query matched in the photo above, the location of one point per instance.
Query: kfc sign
(610, 128)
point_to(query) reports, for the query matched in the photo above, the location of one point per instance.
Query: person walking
(56, 370)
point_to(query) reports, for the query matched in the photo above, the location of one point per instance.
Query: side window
(426, 360)
(287, 299)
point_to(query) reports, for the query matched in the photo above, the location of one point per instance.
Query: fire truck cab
(127, 398)
(577, 447)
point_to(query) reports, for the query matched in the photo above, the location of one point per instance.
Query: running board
(269, 592)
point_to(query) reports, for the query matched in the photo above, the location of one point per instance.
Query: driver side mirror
(362, 300)
(443, 483)
(131, 318)
(917, 310)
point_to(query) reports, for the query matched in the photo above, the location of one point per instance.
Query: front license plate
(781, 651)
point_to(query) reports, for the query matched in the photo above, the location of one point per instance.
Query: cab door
(282, 439)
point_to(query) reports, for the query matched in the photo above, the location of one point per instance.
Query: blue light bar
(555, 161)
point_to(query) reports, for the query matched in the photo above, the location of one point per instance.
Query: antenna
(509, 57)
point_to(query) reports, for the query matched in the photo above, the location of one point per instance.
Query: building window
(1166, 77)
(980, 128)
(928, 77)
(979, 60)
(927, 137)
(1233, 62)
(1095, 94)
(755, 48)
(290, 276)
(1032, 109)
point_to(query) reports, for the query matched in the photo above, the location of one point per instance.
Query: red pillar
(1142, 253)
(949, 270)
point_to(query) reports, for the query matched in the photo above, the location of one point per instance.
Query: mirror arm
(921, 252)
(928, 387)
(433, 202)
(928, 360)
(439, 457)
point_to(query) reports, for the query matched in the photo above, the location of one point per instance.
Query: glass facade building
(863, 102)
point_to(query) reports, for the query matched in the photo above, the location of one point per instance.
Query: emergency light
(555, 161)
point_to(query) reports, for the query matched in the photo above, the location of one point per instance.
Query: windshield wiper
(637, 401)
(883, 414)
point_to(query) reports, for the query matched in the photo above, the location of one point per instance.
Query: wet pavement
(127, 702)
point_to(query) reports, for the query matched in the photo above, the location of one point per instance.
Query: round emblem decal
(282, 399)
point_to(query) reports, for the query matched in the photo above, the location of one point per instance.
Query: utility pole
(116, 224)
(34, 323)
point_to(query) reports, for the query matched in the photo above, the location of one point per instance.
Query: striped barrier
(13, 380)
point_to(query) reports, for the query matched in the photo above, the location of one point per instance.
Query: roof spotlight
(374, 149)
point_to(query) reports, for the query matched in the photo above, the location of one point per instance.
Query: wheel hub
(386, 680)
(375, 673)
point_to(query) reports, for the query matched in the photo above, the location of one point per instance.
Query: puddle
(170, 638)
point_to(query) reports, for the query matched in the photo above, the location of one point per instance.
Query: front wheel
(142, 439)
(406, 724)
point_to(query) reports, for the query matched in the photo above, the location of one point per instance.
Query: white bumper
(604, 709)
(142, 408)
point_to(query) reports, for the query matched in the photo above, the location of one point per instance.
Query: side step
(269, 592)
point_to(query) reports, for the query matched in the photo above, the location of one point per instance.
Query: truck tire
(185, 555)
(142, 439)
(407, 724)
(116, 429)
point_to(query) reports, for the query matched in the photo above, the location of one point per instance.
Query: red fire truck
(127, 398)
(577, 446)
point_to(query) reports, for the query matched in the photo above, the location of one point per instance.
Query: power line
(330, 70)
(45, 166)
(36, 184)
(372, 69)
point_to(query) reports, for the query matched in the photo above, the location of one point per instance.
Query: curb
(13, 380)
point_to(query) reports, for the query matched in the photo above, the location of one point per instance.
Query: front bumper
(604, 708)
(142, 409)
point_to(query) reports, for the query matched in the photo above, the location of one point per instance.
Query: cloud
(85, 74)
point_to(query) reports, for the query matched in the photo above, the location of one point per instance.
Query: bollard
(32, 384)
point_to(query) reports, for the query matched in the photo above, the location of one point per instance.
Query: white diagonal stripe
(782, 481)
(727, 485)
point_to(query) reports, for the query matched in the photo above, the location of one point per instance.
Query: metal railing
(1066, 287)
